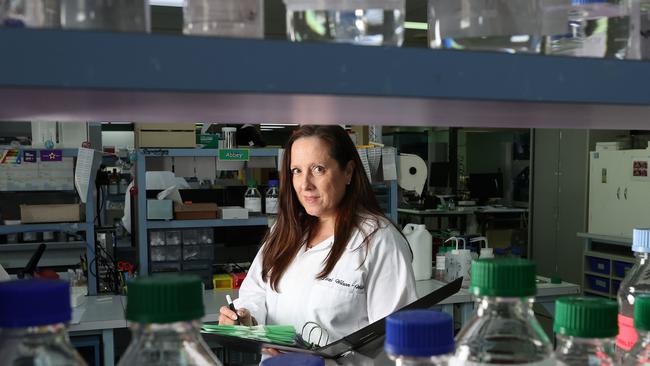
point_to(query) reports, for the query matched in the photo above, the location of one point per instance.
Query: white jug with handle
(420, 240)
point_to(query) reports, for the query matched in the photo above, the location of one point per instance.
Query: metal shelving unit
(608, 263)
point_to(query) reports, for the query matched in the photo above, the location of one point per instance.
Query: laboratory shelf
(184, 224)
(170, 78)
(68, 227)
(30, 247)
(253, 152)
(604, 276)
(599, 293)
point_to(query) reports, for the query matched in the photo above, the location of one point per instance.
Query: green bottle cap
(252, 183)
(642, 313)
(586, 317)
(165, 299)
(503, 277)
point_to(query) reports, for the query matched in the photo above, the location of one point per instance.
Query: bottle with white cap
(637, 282)
(419, 338)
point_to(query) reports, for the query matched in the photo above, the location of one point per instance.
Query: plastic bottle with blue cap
(33, 317)
(419, 338)
(294, 359)
(636, 283)
(595, 28)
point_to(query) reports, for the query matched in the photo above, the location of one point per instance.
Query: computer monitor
(439, 174)
(485, 186)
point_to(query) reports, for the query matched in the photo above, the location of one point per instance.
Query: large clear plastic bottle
(106, 15)
(253, 198)
(419, 338)
(596, 28)
(503, 329)
(271, 197)
(228, 18)
(512, 26)
(585, 329)
(637, 282)
(640, 353)
(165, 312)
(30, 13)
(33, 314)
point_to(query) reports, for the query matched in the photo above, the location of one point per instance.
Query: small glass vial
(585, 328)
(33, 314)
(30, 13)
(503, 329)
(165, 312)
(106, 15)
(633, 285)
(253, 198)
(640, 354)
(419, 338)
(271, 197)
(227, 18)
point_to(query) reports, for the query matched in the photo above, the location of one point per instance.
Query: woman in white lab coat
(332, 258)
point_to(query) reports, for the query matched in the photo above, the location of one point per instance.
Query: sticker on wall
(603, 178)
(29, 156)
(640, 169)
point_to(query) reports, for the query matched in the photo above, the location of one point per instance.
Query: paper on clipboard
(88, 161)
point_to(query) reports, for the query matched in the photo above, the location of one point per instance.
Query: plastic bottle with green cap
(503, 329)
(253, 198)
(635, 283)
(640, 352)
(165, 312)
(585, 328)
(33, 317)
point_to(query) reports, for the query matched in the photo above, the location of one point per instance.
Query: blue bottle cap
(641, 240)
(274, 183)
(26, 303)
(586, 2)
(419, 333)
(294, 359)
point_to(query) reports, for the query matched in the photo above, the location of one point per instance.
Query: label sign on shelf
(234, 154)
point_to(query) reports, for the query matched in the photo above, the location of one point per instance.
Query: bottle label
(271, 205)
(253, 204)
(457, 362)
(626, 333)
(440, 263)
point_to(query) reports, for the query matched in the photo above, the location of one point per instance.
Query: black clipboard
(334, 350)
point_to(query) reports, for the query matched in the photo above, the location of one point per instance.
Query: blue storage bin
(621, 268)
(596, 283)
(616, 284)
(598, 265)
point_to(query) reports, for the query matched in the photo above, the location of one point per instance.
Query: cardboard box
(165, 135)
(233, 212)
(195, 211)
(32, 214)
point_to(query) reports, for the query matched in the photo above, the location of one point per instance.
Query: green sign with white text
(234, 154)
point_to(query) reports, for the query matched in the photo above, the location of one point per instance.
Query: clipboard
(334, 350)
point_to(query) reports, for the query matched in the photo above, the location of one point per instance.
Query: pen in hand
(231, 306)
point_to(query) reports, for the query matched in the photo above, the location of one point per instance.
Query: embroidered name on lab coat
(340, 282)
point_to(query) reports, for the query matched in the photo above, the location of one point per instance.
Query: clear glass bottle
(512, 26)
(30, 13)
(253, 198)
(585, 328)
(33, 331)
(165, 312)
(364, 22)
(596, 28)
(228, 18)
(634, 284)
(271, 197)
(640, 354)
(503, 329)
(106, 15)
(419, 338)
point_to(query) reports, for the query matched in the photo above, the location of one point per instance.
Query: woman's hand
(271, 351)
(228, 317)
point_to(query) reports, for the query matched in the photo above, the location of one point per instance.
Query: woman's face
(318, 180)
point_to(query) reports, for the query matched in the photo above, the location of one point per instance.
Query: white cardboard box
(232, 212)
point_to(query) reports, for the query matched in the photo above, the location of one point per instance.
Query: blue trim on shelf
(254, 152)
(160, 63)
(69, 227)
(183, 224)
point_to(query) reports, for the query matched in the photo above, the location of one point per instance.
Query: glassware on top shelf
(228, 18)
(30, 13)
(106, 15)
(362, 22)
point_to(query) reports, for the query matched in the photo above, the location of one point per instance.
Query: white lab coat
(360, 289)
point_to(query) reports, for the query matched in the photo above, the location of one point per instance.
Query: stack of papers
(278, 334)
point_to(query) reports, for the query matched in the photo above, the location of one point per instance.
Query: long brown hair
(293, 224)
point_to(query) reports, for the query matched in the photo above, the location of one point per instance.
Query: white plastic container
(486, 252)
(364, 22)
(104, 15)
(460, 262)
(228, 18)
(30, 13)
(420, 240)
